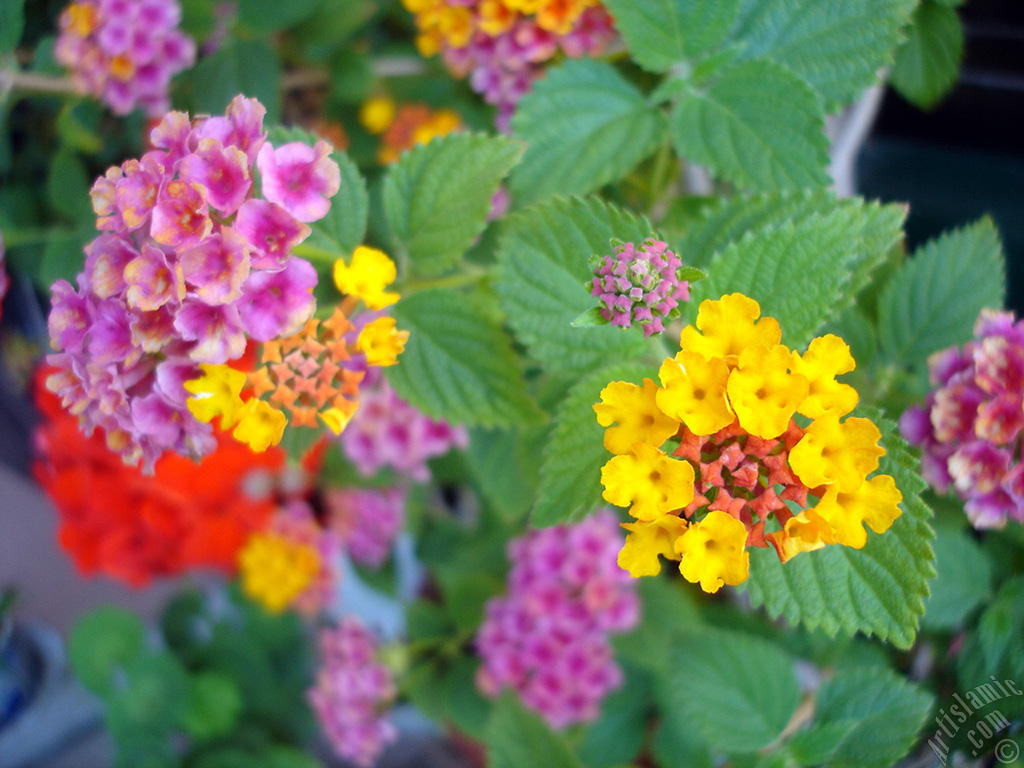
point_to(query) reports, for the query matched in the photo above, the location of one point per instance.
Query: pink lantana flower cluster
(387, 431)
(366, 522)
(189, 267)
(503, 45)
(548, 638)
(971, 424)
(351, 690)
(640, 285)
(125, 52)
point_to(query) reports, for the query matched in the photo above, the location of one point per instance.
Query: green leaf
(506, 467)
(877, 590)
(517, 738)
(877, 713)
(994, 648)
(934, 299)
(618, 734)
(212, 705)
(928, 62)
(668, 609)
(543, 263)
(246, 67)
(592, 318)
(437, 196)
(585, 126)
(663, 33)
(63, 256)
(570, 477)
(837, 47)
(12, 24)
(758, 126)
(798, 271)
(458, 364)
(67, 186)
(103, 641)
(963, 583)
(272, 15)
(736, 690)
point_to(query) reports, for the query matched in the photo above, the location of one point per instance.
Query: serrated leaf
(934, 299)
(517, 738)
(458, 364)
(758, 126)
(878, 590)
(663, 33)
(248, 67)
(437, 196)
(885, 712)
(585, 126)
(837, 47)
(797, 271)
(964, 579)
(928, 62)
(737, 691)
(570, 475)
(543, 262)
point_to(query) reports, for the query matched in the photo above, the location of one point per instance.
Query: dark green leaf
(12, 24)
(247, 67)
(517, 738)
(963, 583)
(928, 62)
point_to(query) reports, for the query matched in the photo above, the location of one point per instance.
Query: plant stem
(468, 277)
(33, 84)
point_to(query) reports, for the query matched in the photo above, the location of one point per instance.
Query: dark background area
(965, 158)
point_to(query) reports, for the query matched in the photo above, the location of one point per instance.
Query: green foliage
(543, 263)
(458, 364)
(584, 126)
(759, 126)
(570, 477)
(838, 48)
(249, 67)
(272, 15)
(101, 643)
(12, 24)
(517, 738)
(505, 464)
(879, 589)
(994, 647)
(213, 705)
(437, 196)
(928, 62)
(737, 691)
(619, 733)
(963, 583)
(871, 718)
(934, 299)
(801, 270)
(67, 186)
(662, 33)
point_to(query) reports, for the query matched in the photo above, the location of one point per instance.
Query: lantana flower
(737, 459)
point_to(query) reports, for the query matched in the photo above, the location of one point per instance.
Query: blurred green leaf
(12, 24)
(928, 62)
(67, 186)
(102, 642)
(617, 736)
(518, 738)
(213, 705)
(247, 67)
(963, 583)
(272, 15)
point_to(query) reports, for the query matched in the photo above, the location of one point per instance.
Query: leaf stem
(33, 84)
(469, 276)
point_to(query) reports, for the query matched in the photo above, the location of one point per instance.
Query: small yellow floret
(376, 114)
(728, 326)
(370, 272)
(646, 541)
(837, 454)
(763, 392)
(714, 552)
(636, 415)
(276, 570)
(647, 479)
(694, 392)
(876, 502)
(827, 357)
(216, 393)
(382, 342)
(260, 425)
(805, 532)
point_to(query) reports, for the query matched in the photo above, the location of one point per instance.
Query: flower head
(640, 285)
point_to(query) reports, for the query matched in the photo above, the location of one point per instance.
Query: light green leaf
(248, 67)
(837, 47)
(928, 62)
(12, 24)
(458, 365)
(437, 196)
(878, 590)
(736, 690)
(585, 126)
(102, 642)
(798, 272)
(212, 705)
(591, 318)
(758, 126)
(517, 738)
(874, 714)
(934, 299)
(543, 263)
(506, 467)
(663, 33)
(963, 583)
(570, 477)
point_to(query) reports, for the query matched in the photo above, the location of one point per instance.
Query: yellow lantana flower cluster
(312, 377)
(737, 458)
